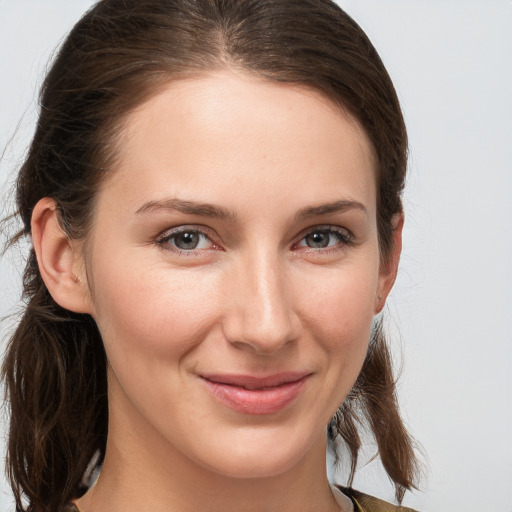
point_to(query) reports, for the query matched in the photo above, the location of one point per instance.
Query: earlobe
(59, 259)
(389, 268)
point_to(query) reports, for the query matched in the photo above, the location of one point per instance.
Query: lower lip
(256, 401)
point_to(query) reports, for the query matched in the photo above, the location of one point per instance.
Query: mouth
(256, 395)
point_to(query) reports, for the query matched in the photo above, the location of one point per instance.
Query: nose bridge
(262, 315)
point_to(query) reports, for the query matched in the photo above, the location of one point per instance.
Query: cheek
(340, 314)
(156, 312)
(341, 303)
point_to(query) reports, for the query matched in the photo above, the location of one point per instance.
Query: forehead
(233, 134)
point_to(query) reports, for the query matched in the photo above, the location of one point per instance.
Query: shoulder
(366, 503)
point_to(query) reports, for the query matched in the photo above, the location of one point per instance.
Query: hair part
(119, 54)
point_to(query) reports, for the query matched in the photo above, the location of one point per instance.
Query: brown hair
(120, 52)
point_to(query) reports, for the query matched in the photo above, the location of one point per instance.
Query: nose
(261, 316)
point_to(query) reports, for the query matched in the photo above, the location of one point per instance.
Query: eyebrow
(188, 207)
(330, 208)
(219, 212)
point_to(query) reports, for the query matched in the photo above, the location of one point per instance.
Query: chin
(262, 458)
(259, 466)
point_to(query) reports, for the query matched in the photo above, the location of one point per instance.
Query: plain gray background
(451, 308)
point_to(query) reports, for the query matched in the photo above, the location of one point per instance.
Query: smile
(255, 395)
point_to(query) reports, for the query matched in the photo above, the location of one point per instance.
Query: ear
(59, 259)
(389, 268)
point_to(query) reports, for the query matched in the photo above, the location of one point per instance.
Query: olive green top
(362, 503)
(366, 503)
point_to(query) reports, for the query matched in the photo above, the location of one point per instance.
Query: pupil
(318, 240)
(188, 240)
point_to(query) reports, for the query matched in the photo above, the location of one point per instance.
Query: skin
(253, 298)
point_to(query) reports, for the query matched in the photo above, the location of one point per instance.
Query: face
(234, 271)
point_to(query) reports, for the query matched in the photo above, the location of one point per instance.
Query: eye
(186, 240)
(325, 238)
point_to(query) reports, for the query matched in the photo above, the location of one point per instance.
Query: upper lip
(253, 382)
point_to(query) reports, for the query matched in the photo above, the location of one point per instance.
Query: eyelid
(162, 239)
(348, 238)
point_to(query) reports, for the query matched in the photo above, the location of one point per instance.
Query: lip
(249, 394)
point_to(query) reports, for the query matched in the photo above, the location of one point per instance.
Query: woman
(213, 197)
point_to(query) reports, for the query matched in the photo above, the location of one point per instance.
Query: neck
(150, 475)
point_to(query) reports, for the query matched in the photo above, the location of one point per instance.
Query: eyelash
(163, 241)
(344, 239)
(344, 236)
